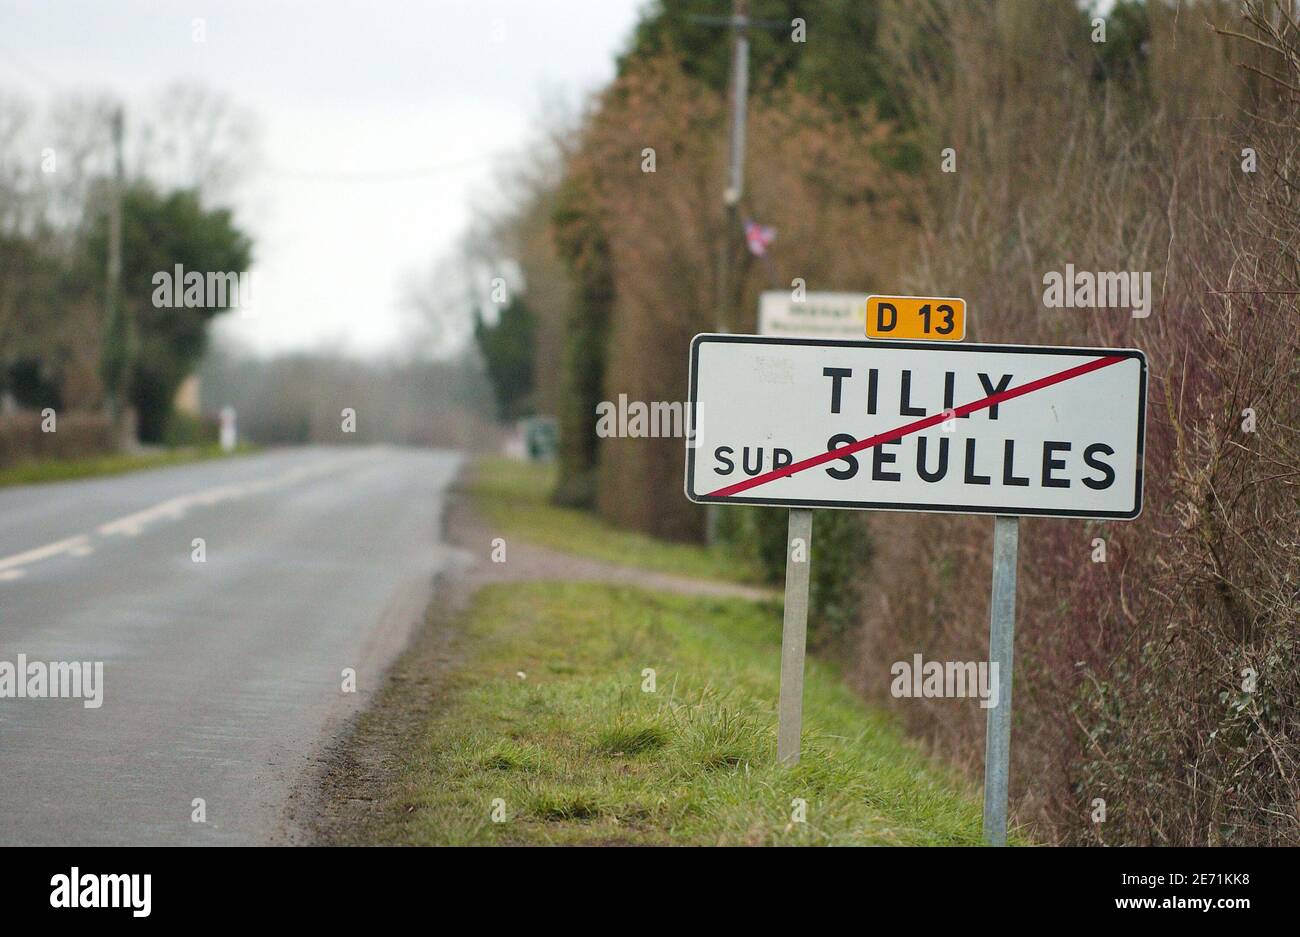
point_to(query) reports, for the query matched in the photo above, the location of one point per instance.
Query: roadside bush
(580, 241)
(77, 435)
(1162, 682)
(841, 553)
(663, 231)
(185, 429)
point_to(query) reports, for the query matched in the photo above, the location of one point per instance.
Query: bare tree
(197, 138)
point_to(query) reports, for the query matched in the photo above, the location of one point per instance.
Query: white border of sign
(958, 347)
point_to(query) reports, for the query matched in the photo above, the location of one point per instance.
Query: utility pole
(739, 22)
(739, 100)
(120, 333)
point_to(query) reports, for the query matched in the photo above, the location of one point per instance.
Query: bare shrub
(811, 176)
(1132, 674)
(77, 435)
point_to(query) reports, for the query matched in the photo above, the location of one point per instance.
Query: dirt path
(531, 563)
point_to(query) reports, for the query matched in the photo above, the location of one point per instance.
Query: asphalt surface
(222, 679)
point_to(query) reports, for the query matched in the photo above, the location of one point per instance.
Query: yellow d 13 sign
(924, 318)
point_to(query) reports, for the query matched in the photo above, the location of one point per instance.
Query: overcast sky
(340, 88)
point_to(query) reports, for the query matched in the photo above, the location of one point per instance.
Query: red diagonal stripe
(915, 427)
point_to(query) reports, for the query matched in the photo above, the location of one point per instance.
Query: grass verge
(58, 470)
(549, 722)
(514, 497)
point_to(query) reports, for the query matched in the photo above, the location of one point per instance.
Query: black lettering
(942, 470)
(971, 477)
(949, 393)
(1050, 465)
(872, 376)
(718, 454)
(836, 375)
(990, 389)
(948, 321)
(880, 317)
(1108, 473)
(835, 442)
(758, 461)
(1008, 458)
(881, 458)
(905, 408)
(781, 458)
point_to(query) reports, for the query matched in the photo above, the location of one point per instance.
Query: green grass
(513, 496)
(57, 470)
(576, 751)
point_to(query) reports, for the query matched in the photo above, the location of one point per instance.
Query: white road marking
(132, 525)
(45, 552)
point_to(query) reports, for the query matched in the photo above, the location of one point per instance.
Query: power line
(25, 65)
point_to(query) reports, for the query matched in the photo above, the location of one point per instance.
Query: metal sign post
(794, 634)
(1002, 633)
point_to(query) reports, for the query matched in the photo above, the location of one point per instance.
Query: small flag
(758, 237)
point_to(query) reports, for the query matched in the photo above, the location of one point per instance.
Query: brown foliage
(811, 175)
(1129, 673)
(78, 436)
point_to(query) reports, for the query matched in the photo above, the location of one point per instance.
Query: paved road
(221, 679)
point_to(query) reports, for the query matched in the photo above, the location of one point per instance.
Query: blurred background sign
(817, 315)
(541, 437)
(229, 432)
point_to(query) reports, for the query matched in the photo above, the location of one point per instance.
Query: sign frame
(916, 346)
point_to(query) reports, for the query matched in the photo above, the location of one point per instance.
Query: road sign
(911, 426)
(817, 315)
(932, 318)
